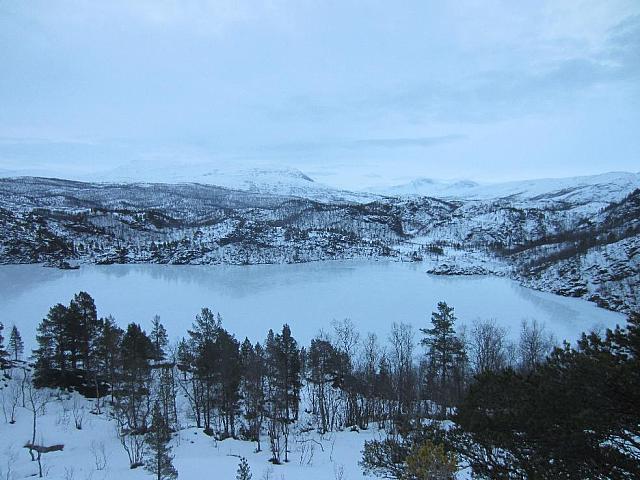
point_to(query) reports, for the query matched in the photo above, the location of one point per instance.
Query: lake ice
(252, 299)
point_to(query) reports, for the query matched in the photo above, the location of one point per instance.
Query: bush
(429, 461)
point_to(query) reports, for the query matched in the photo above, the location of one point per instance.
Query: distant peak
(285, 172)
(465, 184)
(423, 181)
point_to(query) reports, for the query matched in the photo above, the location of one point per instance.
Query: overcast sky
(353, 93)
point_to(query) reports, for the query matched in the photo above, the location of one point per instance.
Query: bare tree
(37, 400)
(369, 361)
(404, 374)
(535, 344)
(10, 396)
(488, 347)
(99, 453)
(14, 393)
(133, 438)
(346, 336)
(78, 412)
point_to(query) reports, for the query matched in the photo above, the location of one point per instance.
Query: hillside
(576, 243)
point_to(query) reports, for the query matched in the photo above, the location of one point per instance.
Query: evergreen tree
(159, 461)
(16, 345)
(244, 472)
(579, 407)
(50, 356)
(189, 380)
(167, 395)
(253, 387)
(228, 373)
(133, 406)
(212, 359)
(81, 329)
(136, 351)
(445, 350)
(283, 359)
(159, 338)
(108, 351)
(66, 340)
(205, 327)
(205, 355)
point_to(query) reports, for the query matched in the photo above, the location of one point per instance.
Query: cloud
(537, 74)
(475, 85)
(361, 144)
(43, 141)
(623, 46)
(202, 17)
(423, 142)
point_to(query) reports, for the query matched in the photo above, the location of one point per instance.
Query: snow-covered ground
(94, 451)
(252, 299)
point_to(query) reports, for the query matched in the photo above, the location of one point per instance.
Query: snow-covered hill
(595, 191)
(604, 188)
(282, 181)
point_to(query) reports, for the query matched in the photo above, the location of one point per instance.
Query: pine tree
(82, 329)
(167, 395)
(159, 461)
(206, 362)
(188, 378)
(244, 472)
(16, 345)
(67, 339)
(253, 388)
(159, 338)
(444, 349)
(283, 359)
(136, 351)
(229, 372)
(108, 350)
(51, 354)
(579, 407)
(205, 327)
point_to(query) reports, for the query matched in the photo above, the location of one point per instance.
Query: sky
(353, 93)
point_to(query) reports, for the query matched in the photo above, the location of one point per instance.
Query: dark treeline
(512, 409)
(572, 414)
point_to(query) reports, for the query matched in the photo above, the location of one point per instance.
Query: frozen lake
(253, 299)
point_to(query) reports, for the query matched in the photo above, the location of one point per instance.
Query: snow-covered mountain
(282, 181)
(604, 188)
(595, 191)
